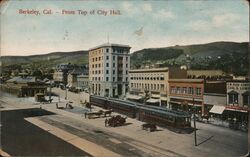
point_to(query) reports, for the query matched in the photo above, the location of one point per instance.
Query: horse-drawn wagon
(116, 121)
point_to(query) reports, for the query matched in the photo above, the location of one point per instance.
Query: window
(162, 78)
(172, 89)
(113, 79)
(178, 90)
(107, 64)
(126, 65)
(99, 58)
(184, 90)
(93, 59)
(126, 71)
(113, 71)
(233, 98)
(107, 50)
(96, 59)
(126, 79)
(114, 58)
(246, 100)
(107, 71)
(113, 64)
(190, 90)
(126, 58)
(107, 57)
(162, 86)
(198, 91)
(107, 78)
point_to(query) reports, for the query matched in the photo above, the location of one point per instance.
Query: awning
(153, 100)
(164, 98)
(217, 109)
(155, 96)
(135, 97)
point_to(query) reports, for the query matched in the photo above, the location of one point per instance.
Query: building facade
(62, 71)
(153, 83)
(215, 97)
(108, 70)
(186, 93)
(238, 95)
(24, 86)
(83, 82)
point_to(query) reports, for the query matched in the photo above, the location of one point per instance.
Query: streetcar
(151, 114)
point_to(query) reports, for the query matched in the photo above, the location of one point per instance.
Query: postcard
(133, 78)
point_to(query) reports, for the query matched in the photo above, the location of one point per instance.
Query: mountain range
(231, 57)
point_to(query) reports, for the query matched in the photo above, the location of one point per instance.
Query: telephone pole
(194, 112)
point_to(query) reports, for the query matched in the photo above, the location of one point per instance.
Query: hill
(231, 57)
(50, 59)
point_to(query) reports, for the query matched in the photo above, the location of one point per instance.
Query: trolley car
(120, 106)
(151, 114)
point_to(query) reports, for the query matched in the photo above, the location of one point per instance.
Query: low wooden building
(24, 86)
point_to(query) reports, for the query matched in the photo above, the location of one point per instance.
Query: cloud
(147, 7)
(166, 13)
(224, 19)
(127, 6)
(217, 21)
(199, 25)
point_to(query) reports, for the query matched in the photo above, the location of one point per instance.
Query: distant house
(24, 86)
(60, 75)
(208, 74)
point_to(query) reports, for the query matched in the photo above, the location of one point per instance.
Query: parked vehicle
(149, 127)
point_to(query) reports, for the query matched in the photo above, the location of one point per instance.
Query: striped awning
(217, 109)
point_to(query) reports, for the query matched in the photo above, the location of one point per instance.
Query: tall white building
(108, 69)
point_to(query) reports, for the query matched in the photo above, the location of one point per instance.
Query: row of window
(234, 99)
(107, 58)
(107, 72)
(107, 65)
(185, 90)
(148, 86)
(147, 78)
(238, 88)
(107, 79)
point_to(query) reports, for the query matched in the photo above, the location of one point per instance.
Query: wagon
(149, 127)
(116, 121)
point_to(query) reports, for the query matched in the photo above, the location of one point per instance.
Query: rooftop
(149, 70)
(186, 80)
(22, 79)
(110, 45)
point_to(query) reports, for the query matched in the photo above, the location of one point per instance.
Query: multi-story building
(60, 75)
(152, 83)
(185, 93)
(108, 69)
(83, 82)
(215, 97)
(238, 95)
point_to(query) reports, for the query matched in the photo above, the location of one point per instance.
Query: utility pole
(194, 112)
(49, 90)
(65, 92)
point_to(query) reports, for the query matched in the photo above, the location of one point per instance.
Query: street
(131, 140)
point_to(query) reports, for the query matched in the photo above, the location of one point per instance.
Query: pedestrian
(85, 115)
(106, 122)
(57, 105)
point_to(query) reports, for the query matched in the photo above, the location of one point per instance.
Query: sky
(140, 24)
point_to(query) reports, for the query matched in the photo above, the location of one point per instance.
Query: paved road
(21, 138)
(213, 140)
(117, 143)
